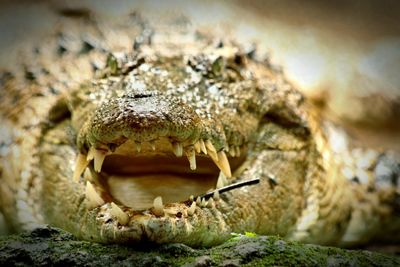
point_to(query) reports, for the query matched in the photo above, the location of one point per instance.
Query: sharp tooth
(210, 146)
(210, 203)
(138, 146)
(216, 195)
(192, 209)
(80, 166)
(87, 175)
(178, 149)
(198, 201)
(232, 151)
(237, 152)
(118, 213)
(221, 180)
(203, 146)
(191, 155)
(203, 203)
(99, 157)
(152, 145)
(224, 164)
(197, 147)
(93, 198)
(90, 154)
(158, 206)
(191, 198)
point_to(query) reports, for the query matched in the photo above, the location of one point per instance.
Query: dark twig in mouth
(230, 187)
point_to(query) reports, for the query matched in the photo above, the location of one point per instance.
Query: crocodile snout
(142, 118)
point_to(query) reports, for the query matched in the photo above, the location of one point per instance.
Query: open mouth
(141, 176)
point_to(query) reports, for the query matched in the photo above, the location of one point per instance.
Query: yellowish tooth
(152, 145)
(232, 151)
(203, 203)
(178, 149)
(158, 206)
(210, 203)
(87, 175)
(224, 164)
(90, 154)
(237, 152)
(191, 198)
(191, 155)
(221, 180)
(80, 166)
(197, 147)
(192, 209)
(99, 157)
(203, 146)
(93, 198)
(216, 195)
(210, 146)
(198, 201)
(119, 214)
(138, 146)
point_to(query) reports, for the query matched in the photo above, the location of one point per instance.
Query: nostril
(137, 95)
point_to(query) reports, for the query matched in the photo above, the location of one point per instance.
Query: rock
(52, 246)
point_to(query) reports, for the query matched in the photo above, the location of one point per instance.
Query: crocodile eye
(59, 111)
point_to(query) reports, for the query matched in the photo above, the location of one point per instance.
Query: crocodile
(127, 132)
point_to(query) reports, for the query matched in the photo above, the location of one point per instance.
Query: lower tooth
(210, 203)
(221, 182)
(192, 209)
(158, 206)
(198, 201)
(203, 203)
(119, 214)
(216, 195)
(93, 198)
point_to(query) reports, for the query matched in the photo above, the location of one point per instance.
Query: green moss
(50, 246)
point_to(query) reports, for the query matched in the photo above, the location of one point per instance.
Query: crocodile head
(132, 155)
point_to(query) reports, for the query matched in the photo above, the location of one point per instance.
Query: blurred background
(343, 55)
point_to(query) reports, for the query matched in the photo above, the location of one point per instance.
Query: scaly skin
(314, 186)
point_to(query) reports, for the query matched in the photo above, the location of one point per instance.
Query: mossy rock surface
(54, 247)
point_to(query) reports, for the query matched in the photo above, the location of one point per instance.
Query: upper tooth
(158, 206)
(224, 164)
(80, 166)
(232, 151)
(99, 157)
(237, 151)
(203, 146)
(90, 154)
(221, 161)
(93, 198)
(191, 155)
(197, 147)
(138, 146)
(210, 146)
(118, 213)
(152, 145)
(178, 149)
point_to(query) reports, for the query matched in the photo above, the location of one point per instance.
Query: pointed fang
(158, 206)
(178, 149)
(119, 214)
(203, 146)
(93, 198)
(191, 155)
(99, 157)
(80, 166)
(192, 208)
